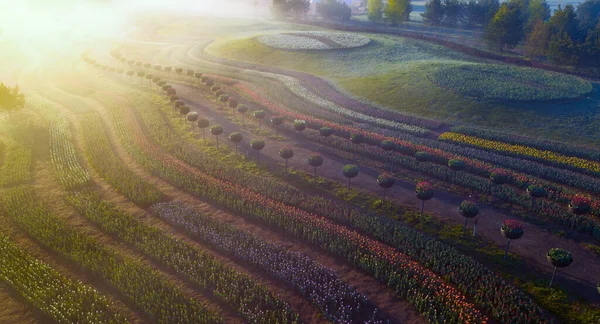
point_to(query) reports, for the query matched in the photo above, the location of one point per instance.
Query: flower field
(165, 181)
(69, 172)
(313, 40)
(16, 168)
(64, 300)
(293, 42)
(497, 82)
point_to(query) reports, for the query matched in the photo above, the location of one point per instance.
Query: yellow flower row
(524, 151)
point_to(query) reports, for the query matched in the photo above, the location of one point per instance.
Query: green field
(396, 73)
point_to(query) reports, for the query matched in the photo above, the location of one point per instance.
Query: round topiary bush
(422, 156)
(498, 177)
(325, 131)
(456, 165)
(469, 209)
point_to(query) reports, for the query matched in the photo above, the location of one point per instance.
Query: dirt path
(379, 295)
(581, 277)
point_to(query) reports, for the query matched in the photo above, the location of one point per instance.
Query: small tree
(209, 83)
(325, 131)
(233, 103)
(498, 176)
(236, 138)
(215, 88)
(456, 165)
(512, 230)
(424, 192)
(203, 123)
(158, 68)
(315, 160)
(468, 209)
(390, 147)
(184, 110)
(559, 258)
(170, 91)
(190, 74)
(216, 130)
(179, 71)
(356, 139)
(258, 145)
(286, 153)
(242, 109)
(299, 125)
(535, 191)
(422, 156)
(223, 98)
(192, 117)
(276, 121)
(579, 205)
(141, 75)
(11, 99)
(147, 66)
(350, 171)
(168, 69)
(259, 115)
(198, 76)
(149, 78)
(385, 181)
(130, 76)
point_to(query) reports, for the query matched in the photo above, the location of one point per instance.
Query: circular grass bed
(313, 40)
(502, 82)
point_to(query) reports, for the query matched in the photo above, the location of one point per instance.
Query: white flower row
(292, 42)
(346, 40)
(296, 88)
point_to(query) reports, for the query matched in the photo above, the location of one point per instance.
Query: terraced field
(119, 206)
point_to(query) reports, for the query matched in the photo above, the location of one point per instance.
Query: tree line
(568, 36)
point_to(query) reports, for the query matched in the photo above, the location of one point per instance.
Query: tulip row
(17, 160)
(424, 289)
(59, 297)
(562, 148)
(67, 169)
(251, 299)
(525, 152)
(340, 302)
(102, 158)
(146, 288)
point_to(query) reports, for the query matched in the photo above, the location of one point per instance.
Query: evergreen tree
(375, 10)
(434, 13)
(538, 10)
(565, 21)
(562, 49)
(453, 12)
(590, 50)
(505, 30)
(588, 14)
